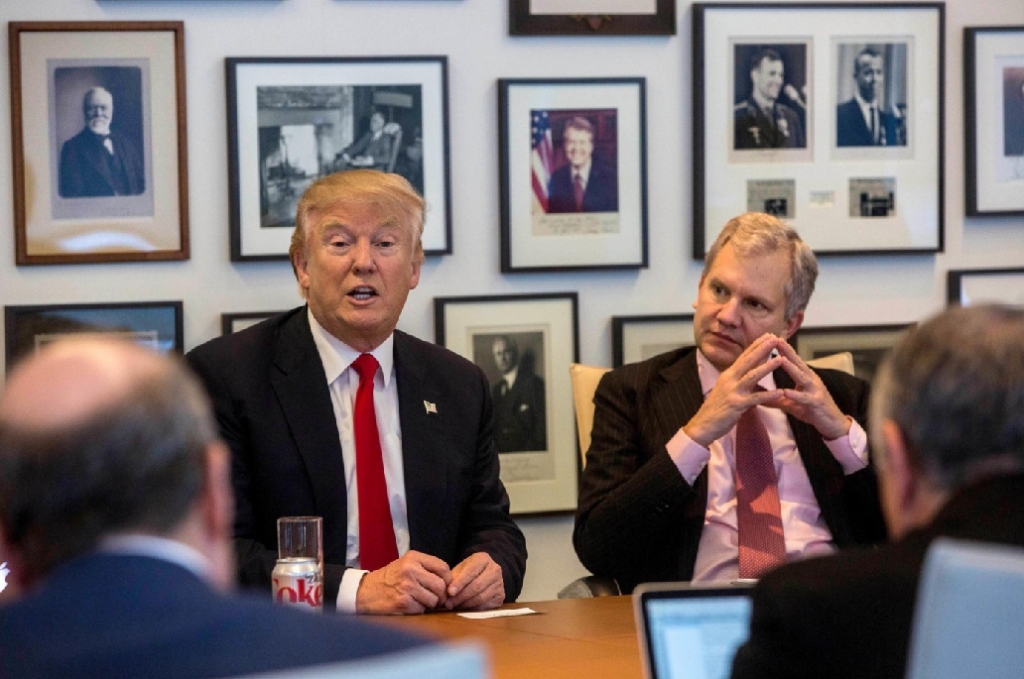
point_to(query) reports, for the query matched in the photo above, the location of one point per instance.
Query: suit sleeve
(632, 496)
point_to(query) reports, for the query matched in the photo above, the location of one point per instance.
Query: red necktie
(377, 545)
(577, 192)
(758, 517)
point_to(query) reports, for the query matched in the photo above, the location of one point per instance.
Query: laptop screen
(691, 632)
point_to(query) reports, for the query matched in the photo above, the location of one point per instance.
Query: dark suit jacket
(520, 420)
(601, 194)
(273, 405)
(638, 520)
(752, 129)
(852, 129)
(86, 169)
(849, 615)
(107, 615)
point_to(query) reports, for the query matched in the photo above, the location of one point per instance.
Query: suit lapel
(423, 441)
(678, 396)
(300, 385)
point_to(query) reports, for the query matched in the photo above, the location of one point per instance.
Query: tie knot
(366, 365)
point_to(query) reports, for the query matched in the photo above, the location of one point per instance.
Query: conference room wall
(474, 35)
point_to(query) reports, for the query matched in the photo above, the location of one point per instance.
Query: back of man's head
(954, 386)
(96, 438)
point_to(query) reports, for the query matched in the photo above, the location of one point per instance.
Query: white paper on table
(507, 613)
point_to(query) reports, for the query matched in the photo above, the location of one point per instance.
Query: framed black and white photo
(99, 142)
(155, 325)
(592, 17)
(868, 344)
(829, 116)
(294, 120)
(524, 344)
(637, 338)
(994, 115)
(573, 165)
(233, 322)
(976, 286)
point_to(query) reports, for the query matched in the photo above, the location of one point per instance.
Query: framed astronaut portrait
(524, 345)
(828, 116)
(100, 150)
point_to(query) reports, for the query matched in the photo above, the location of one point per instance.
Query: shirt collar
(865, 106)
(583, 172)
(136, 544)
(709, 375)
(337, 356)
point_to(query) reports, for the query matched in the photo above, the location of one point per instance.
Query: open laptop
(691, 631)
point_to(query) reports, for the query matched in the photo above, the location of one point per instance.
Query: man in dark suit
(372, 150)
(99, 161)
(659, 497)
(286, 395)
(863, 120)
(949, 447)
(115, 516)
(582, 185)
(520, 419)
(760, 121)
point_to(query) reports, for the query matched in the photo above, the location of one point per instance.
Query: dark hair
(580, 124)
(954, 386)
(762, 54)
(135, 465)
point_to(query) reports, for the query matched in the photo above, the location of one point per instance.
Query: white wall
(474, 35)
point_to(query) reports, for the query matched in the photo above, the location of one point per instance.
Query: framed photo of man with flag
(574, 179)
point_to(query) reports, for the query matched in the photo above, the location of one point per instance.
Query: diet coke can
(299, 582)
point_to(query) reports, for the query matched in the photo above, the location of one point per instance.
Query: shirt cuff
(851, 451)
(350, 580)
(689, 457)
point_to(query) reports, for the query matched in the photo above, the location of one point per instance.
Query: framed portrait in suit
(975, 286)
(829, 116)
(524, 345)
(294, 120)
(573, 160)
(637, 338)
(591, 17)
(155, 325)
(100, 150)
(867, 343)
(994, 115)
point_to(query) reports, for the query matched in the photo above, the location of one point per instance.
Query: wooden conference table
(586, 638)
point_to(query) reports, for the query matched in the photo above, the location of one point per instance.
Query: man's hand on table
(476, 584)
(413, 583)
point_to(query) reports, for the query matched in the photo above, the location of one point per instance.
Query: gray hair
(954, 386)
(754, 234)
(134, 465)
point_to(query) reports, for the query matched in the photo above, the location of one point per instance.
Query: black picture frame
(994, 120)
(234, 321)
(867, 343)
(637, 338)
(321, 108)
(545, 328)
(522, 21)
(542, 229)
(745, 160)
(157, 325)
(998, 285)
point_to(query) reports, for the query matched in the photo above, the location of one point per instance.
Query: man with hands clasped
(720, 461)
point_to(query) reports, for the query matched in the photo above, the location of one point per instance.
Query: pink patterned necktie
(761, 542)
(377, 544)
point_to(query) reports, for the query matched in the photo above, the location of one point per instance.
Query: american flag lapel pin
(431, 407)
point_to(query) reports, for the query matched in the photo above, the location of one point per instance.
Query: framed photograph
(233, 322)
(828, 116)
(592, 17)
(294, 120)
(524, 344)
(974, 286)
(99, 144)
(573, 155)
(637, 338)
(868, 344)
(994, 114)
(156, 325)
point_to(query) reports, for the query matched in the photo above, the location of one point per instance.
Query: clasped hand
(736, 392)
(417, 582)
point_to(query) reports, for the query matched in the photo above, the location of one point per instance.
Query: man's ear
(899, 468)
(218, 496)
(793, 324)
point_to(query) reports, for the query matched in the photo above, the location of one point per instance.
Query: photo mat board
(99, 142)
(592, 17)
(294, 120)
(778, 127)
(531, 411)
(976, 286)
(551, 132)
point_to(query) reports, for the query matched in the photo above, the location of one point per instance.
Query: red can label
(299, 582)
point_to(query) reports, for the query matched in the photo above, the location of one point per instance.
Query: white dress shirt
(343, 381)
(803, 526)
